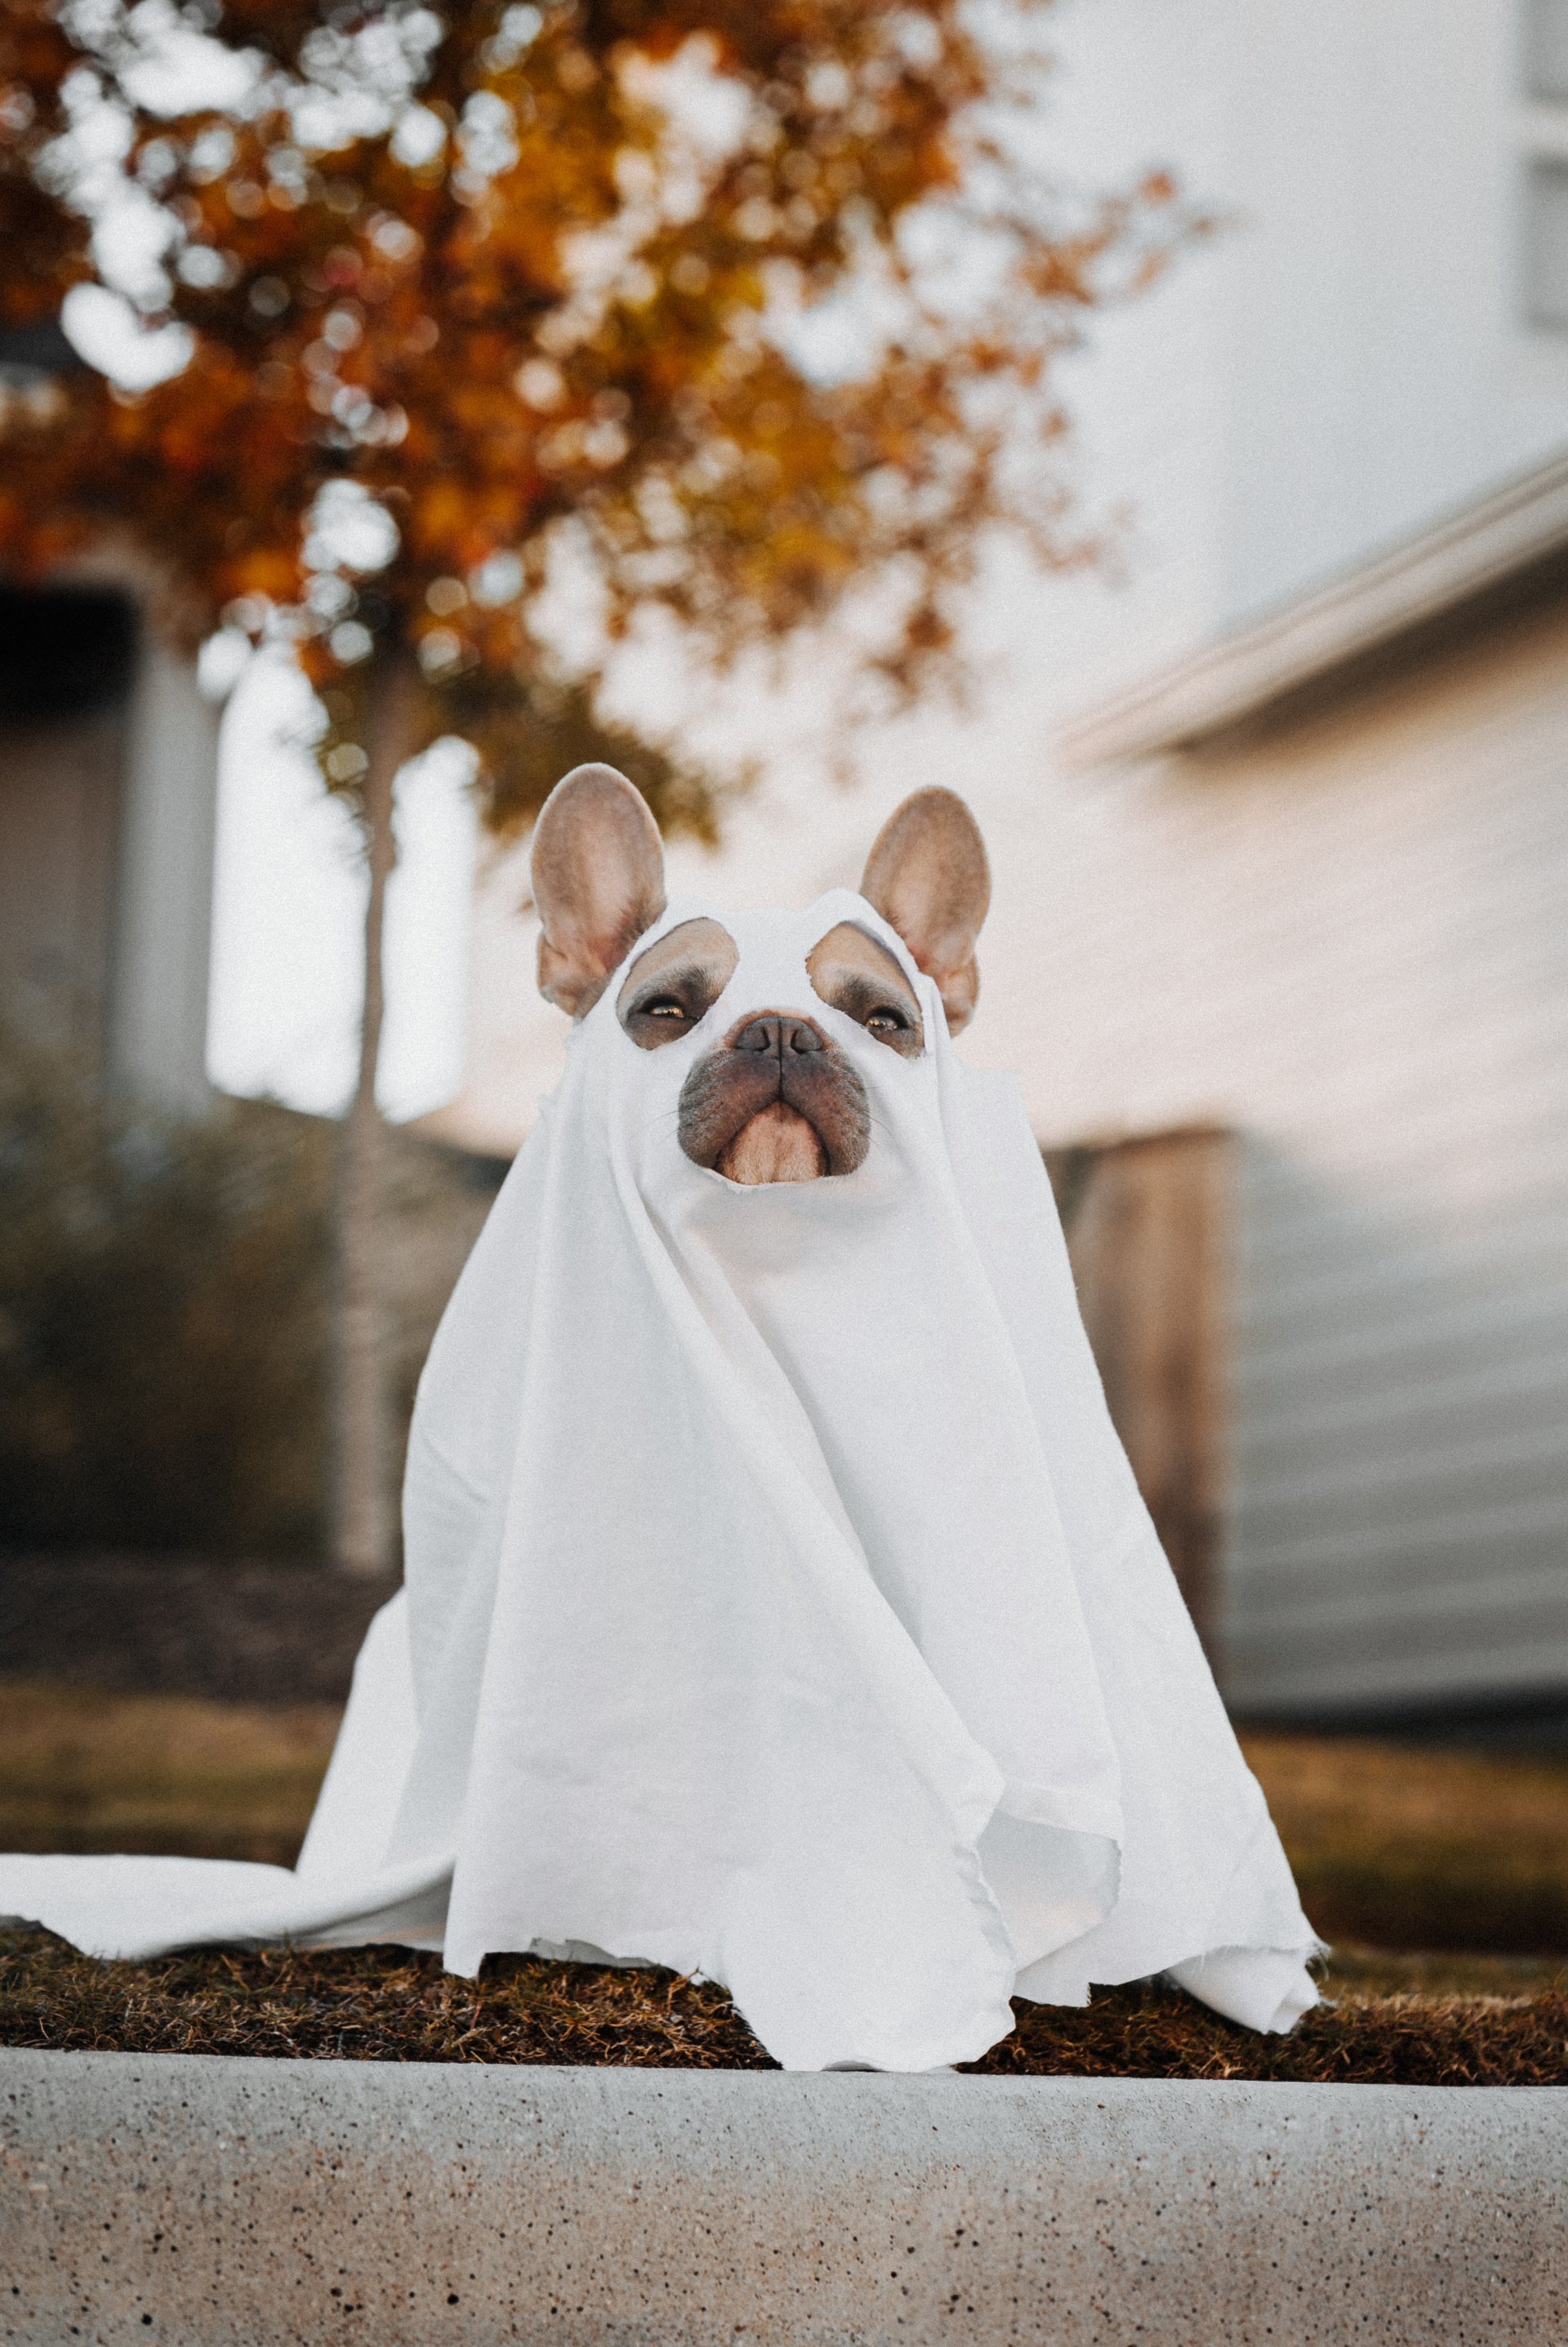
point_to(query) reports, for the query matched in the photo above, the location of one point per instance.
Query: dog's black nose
(779, 1037)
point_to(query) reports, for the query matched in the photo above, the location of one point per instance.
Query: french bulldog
(775, 1098)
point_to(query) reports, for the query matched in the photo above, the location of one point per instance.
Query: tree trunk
(364, 1522)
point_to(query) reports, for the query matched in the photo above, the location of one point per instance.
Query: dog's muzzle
(774, 1072)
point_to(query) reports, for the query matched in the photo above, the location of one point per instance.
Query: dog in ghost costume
(780, 1607)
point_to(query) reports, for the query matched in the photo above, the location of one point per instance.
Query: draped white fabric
(780, 1605)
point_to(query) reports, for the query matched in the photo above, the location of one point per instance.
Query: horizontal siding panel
(1538, 1583)
(1459, 1573)
(1304, 941)
(1406, 1489)
(1457, 1345)
(1376, 1681)
(1404, 1292)
(1525, 1397)
(1476, 1533)
(1299, 1245)
(1432, 1142)
(1491, 1649)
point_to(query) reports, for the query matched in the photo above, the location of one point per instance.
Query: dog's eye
(663, 1006)
(887, 1022)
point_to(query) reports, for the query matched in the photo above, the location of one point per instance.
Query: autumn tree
(459, 300)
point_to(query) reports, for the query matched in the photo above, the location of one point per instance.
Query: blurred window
(1546, 244)
(1546, 49)
(64, 652)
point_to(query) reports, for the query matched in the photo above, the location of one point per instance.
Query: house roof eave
(1451, 562)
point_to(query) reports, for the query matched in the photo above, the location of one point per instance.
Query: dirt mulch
(387, 2004)
(1149, 2032)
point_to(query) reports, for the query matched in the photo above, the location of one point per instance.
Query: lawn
(1407, 1847)
(1442, 1877)
(84, 1769)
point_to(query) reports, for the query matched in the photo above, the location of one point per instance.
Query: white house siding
(1348, 939)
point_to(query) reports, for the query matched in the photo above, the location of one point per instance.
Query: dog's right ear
(598, 882)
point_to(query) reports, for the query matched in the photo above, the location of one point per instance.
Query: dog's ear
(927, 876)
(598, 882)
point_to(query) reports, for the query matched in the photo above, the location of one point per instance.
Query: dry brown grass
(387, 2004)
(376, 2005)
(1410, 2039)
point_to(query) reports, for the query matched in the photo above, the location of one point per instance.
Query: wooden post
(1147, 1233)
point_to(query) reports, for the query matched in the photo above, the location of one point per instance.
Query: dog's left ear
(927, 876)
(598, 882)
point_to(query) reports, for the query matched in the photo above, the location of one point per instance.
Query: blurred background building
(1327, 911)
(1318, 902)
(108, 772)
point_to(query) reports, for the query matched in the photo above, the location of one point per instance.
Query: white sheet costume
(780, 1604)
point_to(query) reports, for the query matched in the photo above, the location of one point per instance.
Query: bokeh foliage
(527, 283)
(160, 1341)
(164, 1286)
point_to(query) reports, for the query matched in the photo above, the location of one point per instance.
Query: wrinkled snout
(776, 1101)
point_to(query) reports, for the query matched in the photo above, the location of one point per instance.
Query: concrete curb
(233, 2203)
